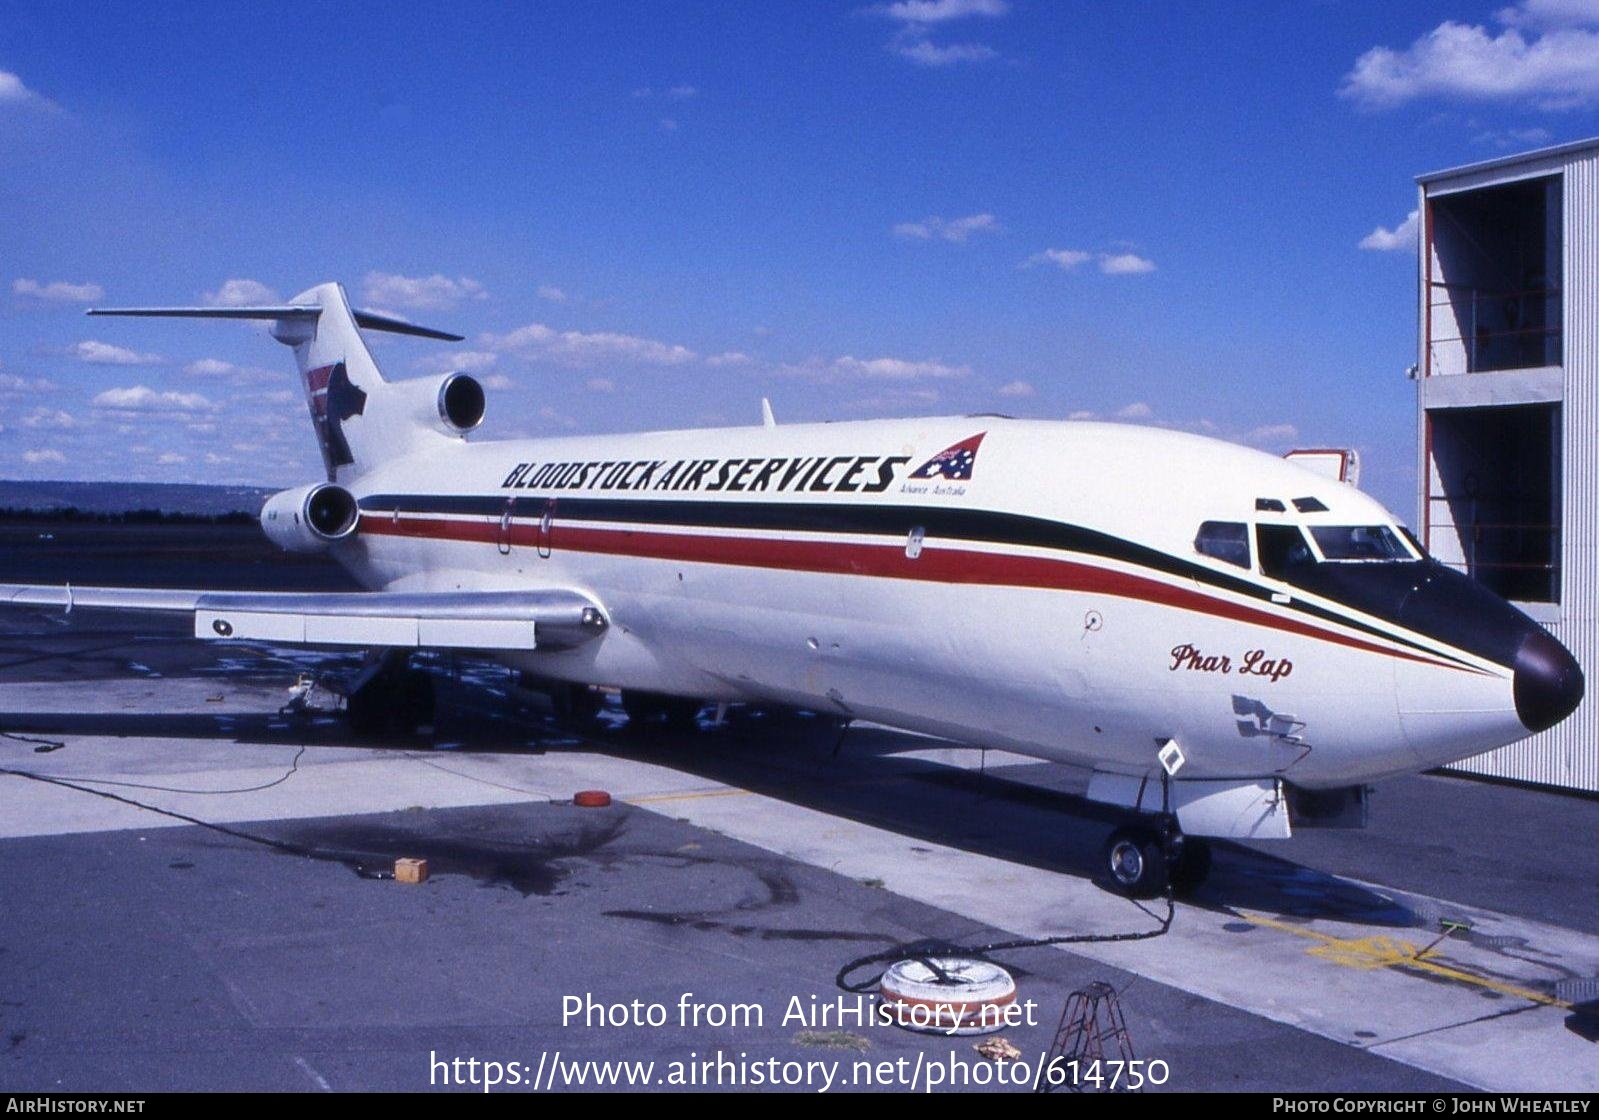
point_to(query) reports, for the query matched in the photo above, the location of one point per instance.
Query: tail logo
(334, 399)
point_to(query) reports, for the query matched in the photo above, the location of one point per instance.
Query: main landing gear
(390, 695)
(1143, 861)
(679, 713)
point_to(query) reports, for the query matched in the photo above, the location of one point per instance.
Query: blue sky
(652, 215)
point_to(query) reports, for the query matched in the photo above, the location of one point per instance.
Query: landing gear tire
(1191, 867)
(678, 712)
(1135, 861)
(577, 702)
(401, 699)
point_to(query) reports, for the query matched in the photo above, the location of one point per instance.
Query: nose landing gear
(1143, 861)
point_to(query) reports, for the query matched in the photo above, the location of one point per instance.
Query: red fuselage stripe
(936, 564)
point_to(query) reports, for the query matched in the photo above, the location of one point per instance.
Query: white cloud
(681, 92)
(1548, 53)
(1514, 137)
(668, 124)
(1402, 236)
(1550, 13)
(924, 52)
(104, 354)
(49, 418)
(917, 19)
(729, 358)
(1138, 410)
(497, 381)
(941, 11)
(10, 383)
(1272, 433)
(421, 293)
(209, 367)
(57, 291)
(601, 385)
(171, 458)
(1081, 414)
(13, 92)
(552, 293)
(456, 361)
(897, 400)
(47, 455)
(242, 293)
(896, 369)
(1124, 264)
(142, 398)
(577, 348)
(1017, 389)
(1065, 259)
(957, 230)
(550, 416)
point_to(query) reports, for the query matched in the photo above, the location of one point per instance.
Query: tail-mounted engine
(452, 404)
(310, 518)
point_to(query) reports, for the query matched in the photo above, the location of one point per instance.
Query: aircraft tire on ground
(414, 699)
(678, 712)
(576, 702)
(1191, 867)
(1134, 861)
(400, 698)
(682, 713)
(366, 710)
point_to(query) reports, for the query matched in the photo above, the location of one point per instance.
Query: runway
(742, 864)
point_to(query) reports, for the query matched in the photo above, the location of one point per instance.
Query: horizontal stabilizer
(281, 312)
(284, 311)
(373, 321)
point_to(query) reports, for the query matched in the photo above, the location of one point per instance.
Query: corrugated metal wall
(1568, 755)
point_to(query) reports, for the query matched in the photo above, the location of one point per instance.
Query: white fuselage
(1053, 602)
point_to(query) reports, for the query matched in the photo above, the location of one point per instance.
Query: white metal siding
(1568, 755)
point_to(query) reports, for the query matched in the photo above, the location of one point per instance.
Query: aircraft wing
(552, 618)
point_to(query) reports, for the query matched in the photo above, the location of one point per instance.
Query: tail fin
(360, 418)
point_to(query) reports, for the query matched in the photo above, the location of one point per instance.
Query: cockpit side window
(1283, 550)
(1360, 543)
(1225, 540)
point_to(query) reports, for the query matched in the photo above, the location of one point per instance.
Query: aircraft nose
(1548, 682)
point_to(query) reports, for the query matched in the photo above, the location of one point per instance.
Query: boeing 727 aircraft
(1231, 644)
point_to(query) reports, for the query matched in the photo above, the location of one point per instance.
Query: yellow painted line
(1369, 953)
(691, 795)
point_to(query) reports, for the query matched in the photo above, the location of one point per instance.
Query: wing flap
(552, 618)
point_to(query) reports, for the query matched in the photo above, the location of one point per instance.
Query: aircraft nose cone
(1548, 682)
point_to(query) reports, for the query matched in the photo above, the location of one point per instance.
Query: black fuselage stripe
(893, 521)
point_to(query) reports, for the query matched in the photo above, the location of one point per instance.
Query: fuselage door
(547, 529)
(506, 520)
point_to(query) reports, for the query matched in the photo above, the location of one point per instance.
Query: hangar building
(1507, 382)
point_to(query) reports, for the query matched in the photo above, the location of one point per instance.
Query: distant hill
(184, 498)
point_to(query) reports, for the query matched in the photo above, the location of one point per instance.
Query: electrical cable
(923, 951)
(285, 846)
(294, 767)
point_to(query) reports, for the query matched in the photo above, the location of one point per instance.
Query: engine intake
(310, 518)
(461, 402)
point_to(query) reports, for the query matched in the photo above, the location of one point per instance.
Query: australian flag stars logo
(954, 463)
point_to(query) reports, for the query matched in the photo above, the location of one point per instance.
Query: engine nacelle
(452, 404)
(310, 518)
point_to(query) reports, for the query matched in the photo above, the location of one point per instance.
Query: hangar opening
(1494, 297)
(1493, 501)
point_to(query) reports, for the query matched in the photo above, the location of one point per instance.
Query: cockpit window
(1283, 551)
(1360, 543)
(1310, 505)
(1225, 540)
